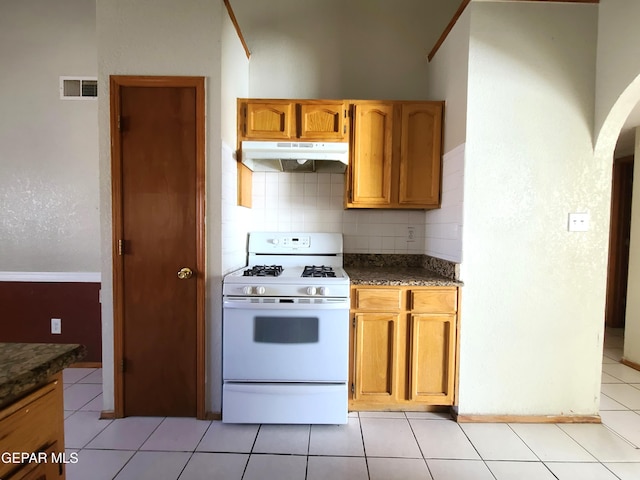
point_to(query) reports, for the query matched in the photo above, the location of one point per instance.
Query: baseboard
(629, 363)
(377, 407)
(56, 277)
(526, 418)
(111, 415)
(86, 365)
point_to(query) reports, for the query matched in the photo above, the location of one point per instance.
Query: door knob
(185, 273)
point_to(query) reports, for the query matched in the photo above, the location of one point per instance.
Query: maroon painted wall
(26, 310)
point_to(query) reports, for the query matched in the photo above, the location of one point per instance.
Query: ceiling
(427, 18)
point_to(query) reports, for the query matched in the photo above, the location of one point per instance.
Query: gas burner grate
(263, 271)
(318, 271)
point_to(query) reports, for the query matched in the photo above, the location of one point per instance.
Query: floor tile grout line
(306, 464)
(253, 445)
(77, 381)
(524, 442)
(418, 443)
(364, 447)
(480, 456)
(192, 452)
(195, 448)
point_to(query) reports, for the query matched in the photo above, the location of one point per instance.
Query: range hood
(324, 157)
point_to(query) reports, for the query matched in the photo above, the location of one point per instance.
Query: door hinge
(353, 388)
(354, 321)
(120, 247)
(119, 122)
(122, 365)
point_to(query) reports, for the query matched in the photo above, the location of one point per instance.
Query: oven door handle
(249, 303)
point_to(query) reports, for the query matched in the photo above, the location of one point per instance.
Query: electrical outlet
(578, 222)
(411, 234)
(56, 326)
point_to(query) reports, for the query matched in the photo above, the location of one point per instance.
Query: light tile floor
(372, 446)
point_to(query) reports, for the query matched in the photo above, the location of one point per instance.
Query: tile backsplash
(309, 202)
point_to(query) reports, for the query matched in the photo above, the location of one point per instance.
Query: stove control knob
(324, 291)
(247, 290)
(311, 290)
(276, 241)
(260, 290)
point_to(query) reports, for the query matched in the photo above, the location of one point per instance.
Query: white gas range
(286, 332)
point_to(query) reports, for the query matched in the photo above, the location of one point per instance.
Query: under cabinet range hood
(323, 157)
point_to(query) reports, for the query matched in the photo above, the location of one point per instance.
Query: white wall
(48, 147)
(320, 49)
(235, 84)
(234, 222)
(161, 37)
(632, 318)
(337, 49)
(617, 84)
(443, 226)
(533, 298)
(448, 77)
(617, 93)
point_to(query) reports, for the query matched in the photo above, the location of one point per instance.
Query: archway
(620, 117)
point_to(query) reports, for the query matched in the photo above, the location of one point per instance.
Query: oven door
(286, 340)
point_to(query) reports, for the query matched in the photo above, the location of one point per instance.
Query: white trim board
(60, 277)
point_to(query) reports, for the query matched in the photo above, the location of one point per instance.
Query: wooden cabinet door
(371, 159)
(432, 358)
(44, 470)
(322, 121)
(269, 120)
(377, 361)
(420, 155)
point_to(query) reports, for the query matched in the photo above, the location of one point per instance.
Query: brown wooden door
(619, 237)
(160, 227)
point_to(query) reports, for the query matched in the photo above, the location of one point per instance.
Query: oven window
(285, 329)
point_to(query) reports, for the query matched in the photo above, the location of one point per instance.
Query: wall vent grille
(78, 88)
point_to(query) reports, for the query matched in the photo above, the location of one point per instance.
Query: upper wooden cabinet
(395, 155)
(266, 120)
(308, 120)
(371, 170)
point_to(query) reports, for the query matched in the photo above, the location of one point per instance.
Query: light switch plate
(578, 222)
(56, 326)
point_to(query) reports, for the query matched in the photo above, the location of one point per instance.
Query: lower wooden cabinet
(403, 343)
(34, 424)
(48, 470)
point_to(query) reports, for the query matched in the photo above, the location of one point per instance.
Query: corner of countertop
(445, 268)
(25, 366)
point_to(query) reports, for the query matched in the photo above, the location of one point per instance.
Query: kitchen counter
(398, 275)
(25, 366)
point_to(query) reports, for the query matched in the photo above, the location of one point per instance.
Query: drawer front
(378, 299)
(434, 300)
(32, 426)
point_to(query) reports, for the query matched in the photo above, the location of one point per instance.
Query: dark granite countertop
(24, 366)
(410, 276)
